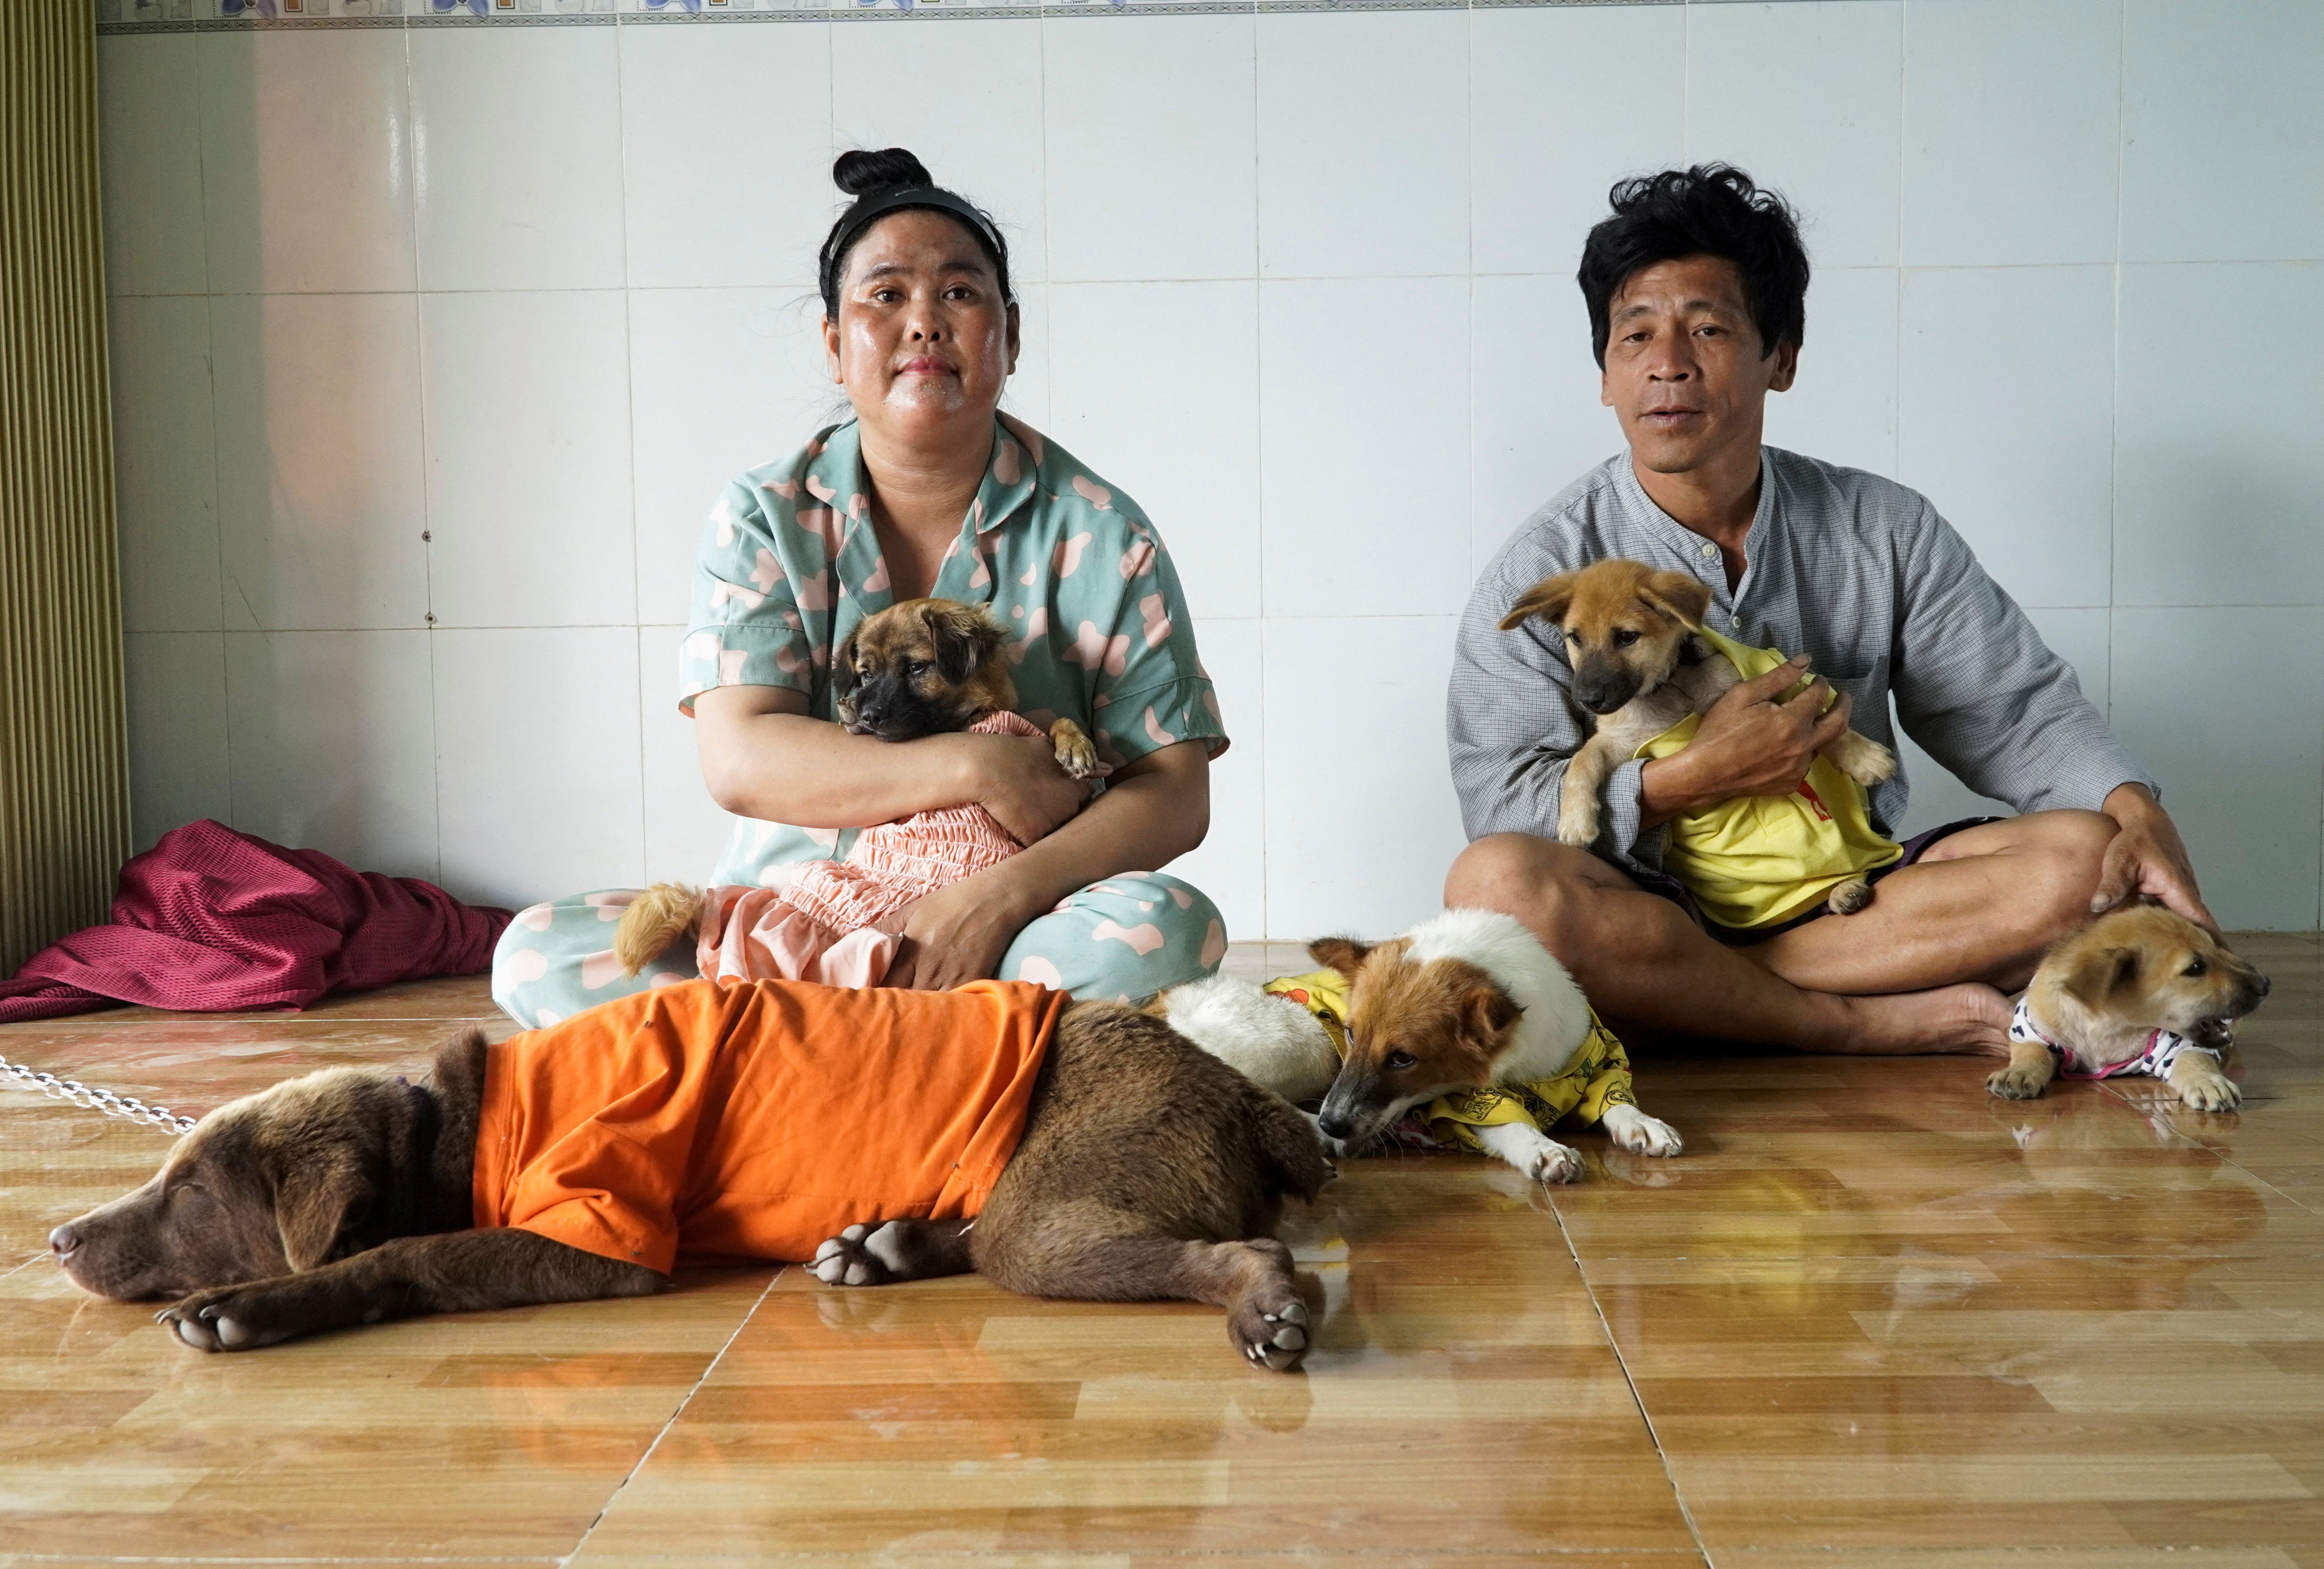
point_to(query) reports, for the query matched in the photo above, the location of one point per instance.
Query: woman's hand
(1020, 783)
(957, 934)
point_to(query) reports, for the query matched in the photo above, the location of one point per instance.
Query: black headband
(868, 208)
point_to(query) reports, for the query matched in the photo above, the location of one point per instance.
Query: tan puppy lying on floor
(1640, 665)
(2137, 991)
(923, 667)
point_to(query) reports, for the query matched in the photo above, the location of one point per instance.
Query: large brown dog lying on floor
(1145, 1169)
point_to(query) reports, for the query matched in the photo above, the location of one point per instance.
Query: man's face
(1685, 374)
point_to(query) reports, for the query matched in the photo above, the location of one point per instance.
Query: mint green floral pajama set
(789, 564)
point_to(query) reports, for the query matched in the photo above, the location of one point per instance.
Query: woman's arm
(1153, 811)
(763, 756)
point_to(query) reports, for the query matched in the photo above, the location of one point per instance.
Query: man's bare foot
(1970, 1019)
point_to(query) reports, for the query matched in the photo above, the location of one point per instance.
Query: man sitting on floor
(1697, 291)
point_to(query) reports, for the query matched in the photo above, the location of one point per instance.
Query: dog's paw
(1553, 1162)
(1865, 761)
(231, 1318)
(2017, 1083)
(862, 1255)
(1641, 1135)
(1849, 897)
(1577, 822)
(1076, 754)
(2209, 1092)
(1270, 1326)
(1532, 1152)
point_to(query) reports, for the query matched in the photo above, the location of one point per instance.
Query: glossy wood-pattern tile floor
(1871, 1318)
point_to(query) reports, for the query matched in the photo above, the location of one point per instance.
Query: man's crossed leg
(1924, 968)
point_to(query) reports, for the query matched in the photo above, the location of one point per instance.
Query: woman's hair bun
(861, 173)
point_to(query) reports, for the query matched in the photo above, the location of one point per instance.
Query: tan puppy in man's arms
(1639, 669)
(2139, 990)
(923, 667)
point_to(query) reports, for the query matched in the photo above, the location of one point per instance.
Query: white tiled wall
(432, 344)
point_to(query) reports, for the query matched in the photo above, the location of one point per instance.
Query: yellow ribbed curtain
(64, 766)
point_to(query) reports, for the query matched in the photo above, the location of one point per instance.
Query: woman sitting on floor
(930, 490)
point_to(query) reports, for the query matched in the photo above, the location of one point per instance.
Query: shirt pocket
(1866, 683)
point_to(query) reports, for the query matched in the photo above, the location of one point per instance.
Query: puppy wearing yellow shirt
(1647, 668)
(1466, 1016)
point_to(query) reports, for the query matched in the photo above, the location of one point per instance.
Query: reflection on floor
(1873, 1316)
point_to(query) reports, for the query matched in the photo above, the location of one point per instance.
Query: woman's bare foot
(1970, 1019)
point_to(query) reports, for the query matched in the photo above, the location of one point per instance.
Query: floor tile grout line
(679, 1410)
(1582, 1272)
(2224, 1155)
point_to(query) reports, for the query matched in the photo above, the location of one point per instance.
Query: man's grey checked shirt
(1856, 571)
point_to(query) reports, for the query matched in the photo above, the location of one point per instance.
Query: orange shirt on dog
(754, 1121)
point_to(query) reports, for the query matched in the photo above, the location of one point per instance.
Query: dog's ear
(842, 663)
(2098, 975)
(1550, 598)
(964, 636)
(459, 1061)
(1489, 1011)
(1344, 954)
(316, 1199)
(1684, 599)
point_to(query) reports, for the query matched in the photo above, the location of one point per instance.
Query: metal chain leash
(72, 1091)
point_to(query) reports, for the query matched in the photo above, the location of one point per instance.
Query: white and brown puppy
(2137, 991)
(1467, 1000)
(1639, 668)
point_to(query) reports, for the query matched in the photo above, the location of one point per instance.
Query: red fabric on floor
(210, 921)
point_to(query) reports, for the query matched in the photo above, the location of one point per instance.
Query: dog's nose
(1335, 1124)
(2262, 985)
(64, 1242)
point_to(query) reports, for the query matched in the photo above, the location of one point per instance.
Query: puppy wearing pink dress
(920, 668)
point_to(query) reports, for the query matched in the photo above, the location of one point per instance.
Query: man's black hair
(1712, 209)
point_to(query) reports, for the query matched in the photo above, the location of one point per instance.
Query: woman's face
(924, 342)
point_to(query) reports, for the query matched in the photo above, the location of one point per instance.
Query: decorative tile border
(146, 16)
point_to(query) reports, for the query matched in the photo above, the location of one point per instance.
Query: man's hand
(2148, 857)
(1753, 741)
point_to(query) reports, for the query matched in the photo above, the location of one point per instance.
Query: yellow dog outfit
(1753, 861)
(1598, 1077)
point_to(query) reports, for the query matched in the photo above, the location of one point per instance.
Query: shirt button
(1708, 550)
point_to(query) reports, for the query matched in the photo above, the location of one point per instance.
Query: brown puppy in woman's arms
(923, 667)
(2139, 990)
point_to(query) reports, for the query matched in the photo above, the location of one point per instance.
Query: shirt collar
(835, 479)
(1688, 544)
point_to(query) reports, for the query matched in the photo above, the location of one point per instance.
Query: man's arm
(1976, 685)
(1510, 731)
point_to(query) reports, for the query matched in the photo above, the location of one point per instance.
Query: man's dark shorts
(1670, 888)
